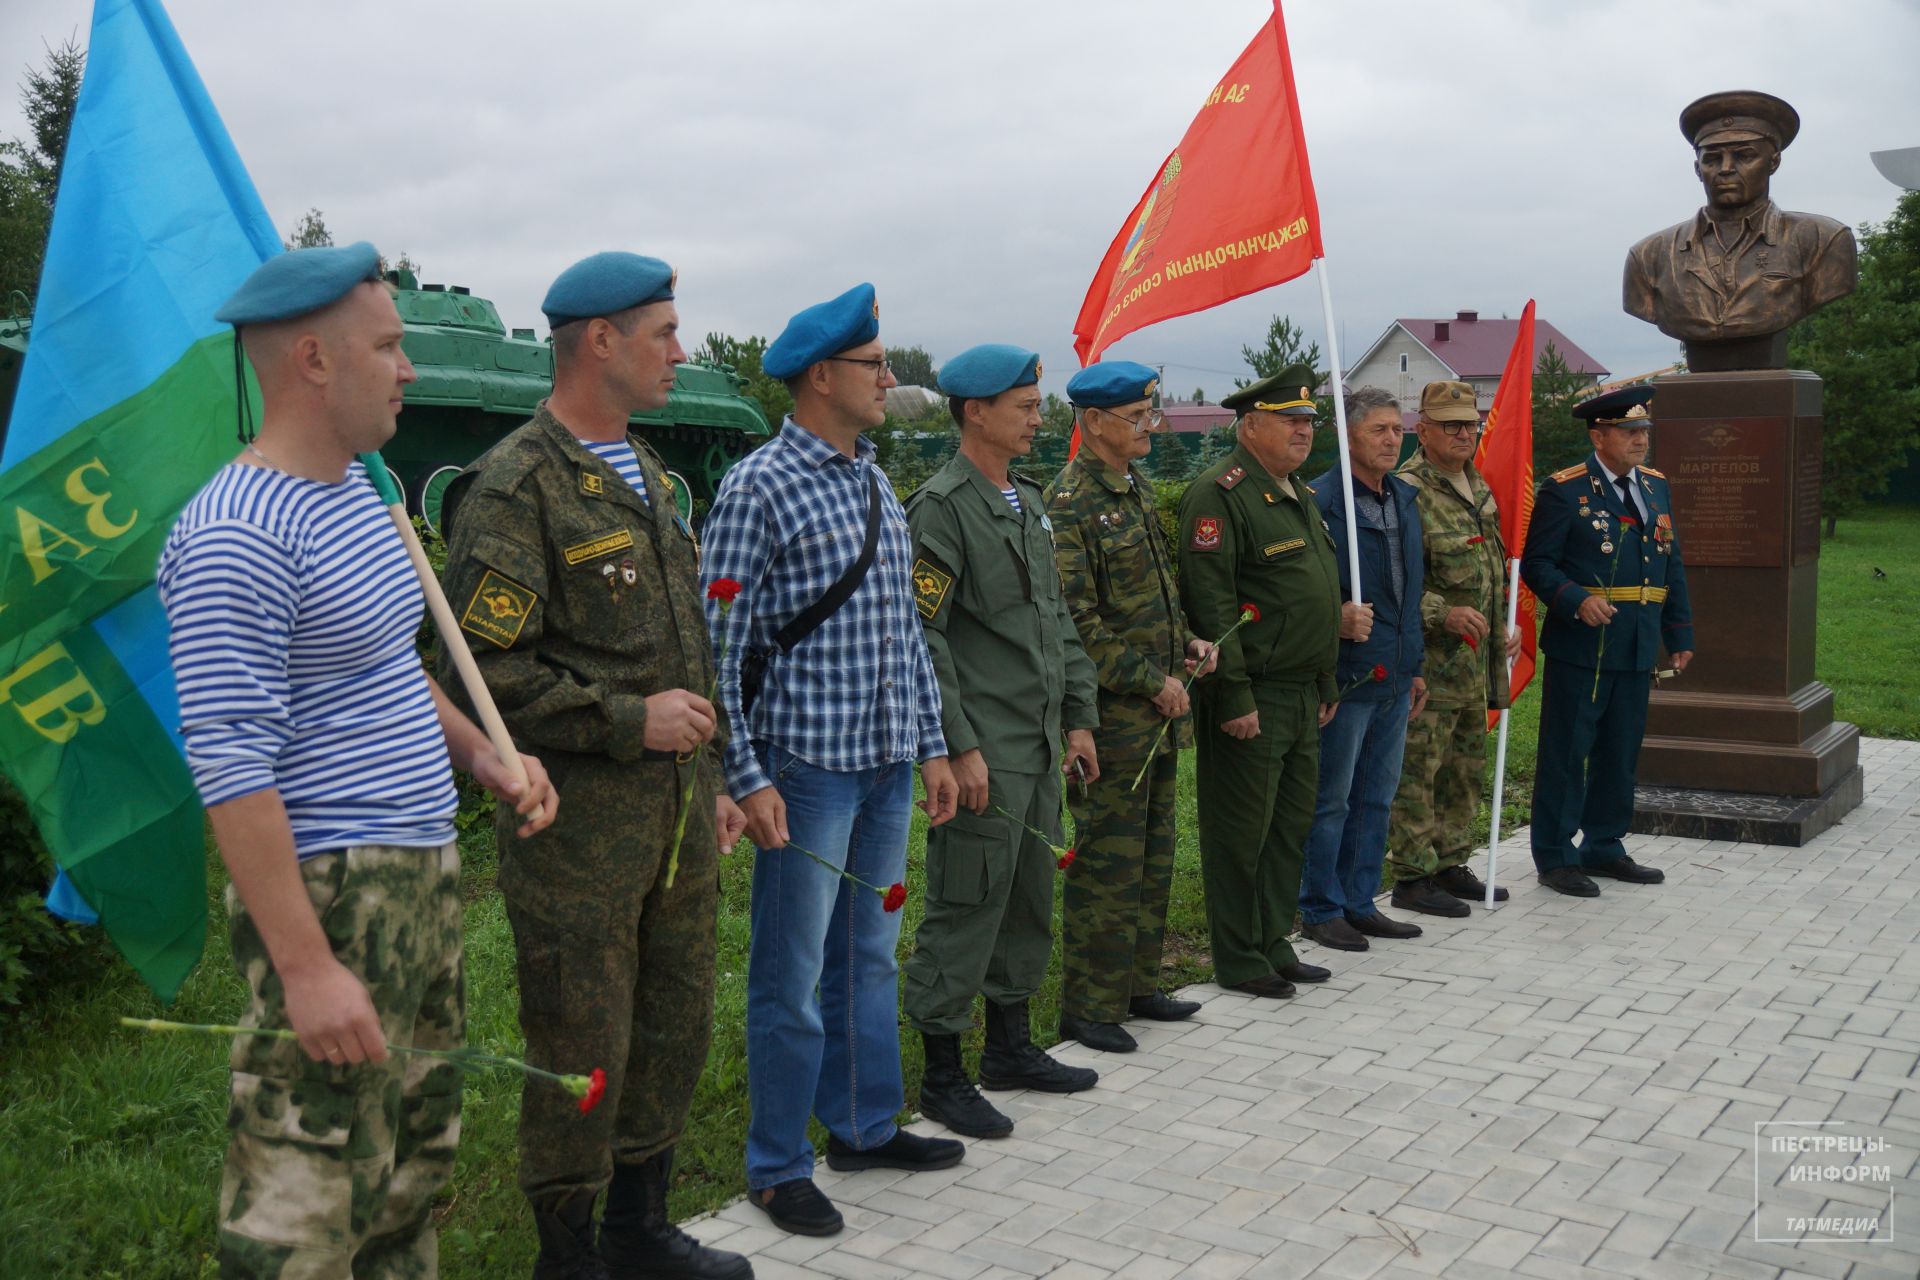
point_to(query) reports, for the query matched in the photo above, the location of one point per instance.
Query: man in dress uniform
(578, 590)
(1463, 607)
(1250, 535)
(1117, 572)
(1602, 555)
(1013, 679)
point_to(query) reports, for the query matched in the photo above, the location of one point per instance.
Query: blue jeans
(822, 957)
(1360, 752)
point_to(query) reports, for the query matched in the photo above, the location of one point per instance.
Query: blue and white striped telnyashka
(860, 691)
(293, 611)
(619, 455)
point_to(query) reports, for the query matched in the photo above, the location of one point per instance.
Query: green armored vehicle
(478, 382)
(13, 349)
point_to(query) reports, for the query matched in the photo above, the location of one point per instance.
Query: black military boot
(948, 1096)
(566, 1242)
(1012, 1060)
(638, 1240)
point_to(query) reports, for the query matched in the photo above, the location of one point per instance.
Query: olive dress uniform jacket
(1245, 540)
(1013, 675)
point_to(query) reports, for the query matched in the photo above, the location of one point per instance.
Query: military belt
(1634, 595)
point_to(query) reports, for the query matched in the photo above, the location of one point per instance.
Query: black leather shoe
(1376, 925)
(908, 1151)
(799, 1207)
(1161, 1007)
(1108, 1037)
(566, 1242)
(1299, 971)
(947, 1095)
(1624, 868)
(1272, 986)
(638, 1241)
(1335, 933)
(1569, 880)
(1426, 897)
(1012, 1060)
(1462, 883)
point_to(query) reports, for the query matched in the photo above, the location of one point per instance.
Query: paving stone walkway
(1560, 1089)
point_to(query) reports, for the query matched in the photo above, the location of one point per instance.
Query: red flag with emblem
(1230, 211)
(1505, 461)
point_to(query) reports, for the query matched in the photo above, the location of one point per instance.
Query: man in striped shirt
(321, 750)
(823, 761)
(595, 657)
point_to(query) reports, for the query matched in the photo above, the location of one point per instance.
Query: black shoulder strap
(807, 620)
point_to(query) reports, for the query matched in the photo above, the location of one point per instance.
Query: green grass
(111, 1140)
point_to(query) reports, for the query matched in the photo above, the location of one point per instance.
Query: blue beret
(1628, 407)
(301, 280)
(823, 330)
(1112, 382)
(988, 369)
(607, 283)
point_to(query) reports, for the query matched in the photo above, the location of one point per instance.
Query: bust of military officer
(1731, 280)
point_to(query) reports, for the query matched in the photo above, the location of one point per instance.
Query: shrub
(34, 945)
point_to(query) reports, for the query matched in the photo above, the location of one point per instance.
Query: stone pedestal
(1741, 453)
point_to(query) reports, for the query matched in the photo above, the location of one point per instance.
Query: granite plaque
(1729, 479)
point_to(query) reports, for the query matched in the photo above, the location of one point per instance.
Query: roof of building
(1476, 348)
(1187, 417)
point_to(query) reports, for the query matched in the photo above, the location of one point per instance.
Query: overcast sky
(974, 159)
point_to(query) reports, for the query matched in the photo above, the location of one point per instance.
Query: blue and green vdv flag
(125, 406)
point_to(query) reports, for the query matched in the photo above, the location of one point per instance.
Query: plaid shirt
(857, 693)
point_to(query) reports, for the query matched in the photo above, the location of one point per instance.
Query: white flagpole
(1500, 752)
(1340, 430)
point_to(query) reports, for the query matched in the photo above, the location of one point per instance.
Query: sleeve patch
(930, 587)
(594, 548)
(498, 610)
(1206, 533)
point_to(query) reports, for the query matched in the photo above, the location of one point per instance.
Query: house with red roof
(1466, 348)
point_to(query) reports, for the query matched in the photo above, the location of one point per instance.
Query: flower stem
(836, 870)
(465, 1059)
(1059, 851)
(693, 777)
(1212, 652)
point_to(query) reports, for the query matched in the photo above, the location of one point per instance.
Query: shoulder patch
(1568, 473)
(930, 586)
(1649, 471)
(1231, 476)
(1206, 533)
(498, 610)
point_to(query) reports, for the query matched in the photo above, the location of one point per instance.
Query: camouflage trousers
(1431, 828)
(333, 1170)
(1113, 920)
(989, 922)
(615, 968)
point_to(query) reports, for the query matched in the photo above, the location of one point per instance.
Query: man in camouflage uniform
(1013, 680)
(576, 582)
(1118, 578)
(344, 892)
(1431, 831)
(1250, 534)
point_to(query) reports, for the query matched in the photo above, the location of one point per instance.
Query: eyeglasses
(1459, 428)
(881, 367)
(1151, 420)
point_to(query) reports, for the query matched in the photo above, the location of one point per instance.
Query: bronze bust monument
(1731, 280)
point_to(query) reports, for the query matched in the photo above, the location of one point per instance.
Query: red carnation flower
(724, 590)
(1472, 643)
(1379, 674)
(895, 898)
(1250, 612)
(596, 1090)
(1475, 540)
(1066, 859)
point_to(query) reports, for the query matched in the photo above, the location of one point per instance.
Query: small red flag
(1505, 461)
(1230, 211)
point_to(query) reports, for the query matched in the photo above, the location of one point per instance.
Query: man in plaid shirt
(824, 762)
